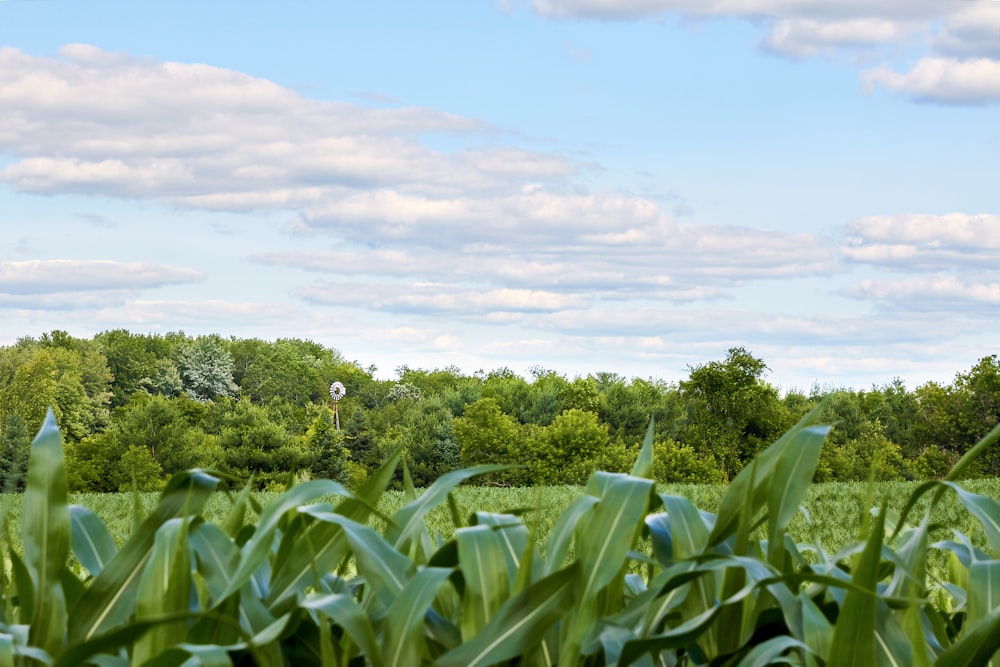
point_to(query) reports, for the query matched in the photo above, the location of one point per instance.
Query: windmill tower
(337, 392)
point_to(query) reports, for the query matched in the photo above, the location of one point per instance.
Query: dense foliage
(626, 576)
(136, 408)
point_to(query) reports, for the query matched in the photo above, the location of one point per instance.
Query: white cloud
(438, 299)
(955, 241)
(725, 327)
(691, 262)
(941, 79)
(88, 302)
(964, 37)
(833, 9)
(974, 30)
(65, 275)
(181, 313)
(932, 293)
(807, 37)
(502, 218)
(512, 220)
(98, 122)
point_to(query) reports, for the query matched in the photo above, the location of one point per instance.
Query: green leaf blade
(47, 535)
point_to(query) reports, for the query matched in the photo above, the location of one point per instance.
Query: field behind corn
(829, 515)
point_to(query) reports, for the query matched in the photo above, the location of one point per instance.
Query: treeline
(136, 408)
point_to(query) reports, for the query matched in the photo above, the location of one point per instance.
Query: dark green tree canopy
(251, 406)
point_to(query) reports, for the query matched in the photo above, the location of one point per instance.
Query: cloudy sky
(621, 185)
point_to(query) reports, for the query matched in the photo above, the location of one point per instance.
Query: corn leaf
(99, 645)
(684, 635)
(46, 535)
(111, 597)
(255, 551)
(385, 570)
(793, 473)
(984, 508)
(513, 535)
(983, 591)
(661, 538)
(749, 489)
(977, 645)
(520, 624)
(687, 530)
(643, 466)
(854, 634)
(324, 543)
(561, 535)
(409, 520)
(237, 515)
(404, 622)
(768, 652)
(164, 588)
(603, 539)
(487, 584)
(343, 610)
(92, 543)
(189, 655)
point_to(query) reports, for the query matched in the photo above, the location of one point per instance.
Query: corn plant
(624, 576)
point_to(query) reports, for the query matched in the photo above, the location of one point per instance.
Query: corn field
(769, 569)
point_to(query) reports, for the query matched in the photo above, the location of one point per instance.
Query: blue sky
(586, 185)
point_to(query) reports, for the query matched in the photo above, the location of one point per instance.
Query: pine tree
(15, 445)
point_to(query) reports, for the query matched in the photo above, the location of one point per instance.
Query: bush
(677, 463)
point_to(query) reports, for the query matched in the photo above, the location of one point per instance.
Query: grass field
(830, 517)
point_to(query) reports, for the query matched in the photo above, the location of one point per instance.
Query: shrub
(677, 463)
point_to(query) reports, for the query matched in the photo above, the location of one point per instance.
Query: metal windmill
(337, 392)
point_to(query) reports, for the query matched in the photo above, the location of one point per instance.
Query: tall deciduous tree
(731, 411)
(139, 363)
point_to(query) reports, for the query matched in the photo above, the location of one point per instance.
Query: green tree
(545, 397)
(567, 451)
(870, 453)
(90, 466)
(626, 407)
(359, 438)
(169, 428)
(680, 464)
(581, 394)
(138, 363)
(898, 411)
(511, 392)
(206, 368)
(326, 446)
(486, 435)
(32, 389)
(979, 410)
(288, 370)
(138, 470)
(422, 428)
(730, 411)
(253, 444)
(15, 445)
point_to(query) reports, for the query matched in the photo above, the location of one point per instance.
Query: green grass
(833, 508)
